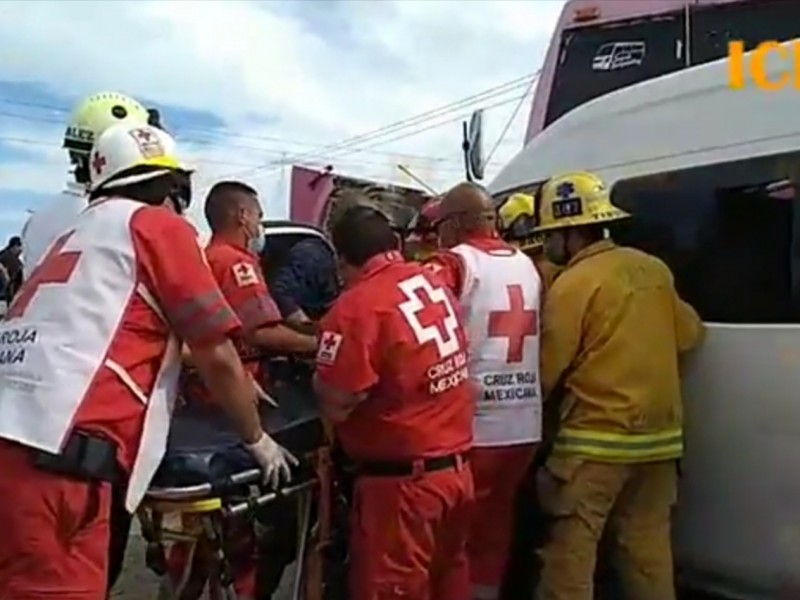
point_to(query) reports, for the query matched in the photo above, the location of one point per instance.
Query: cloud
(247, 85)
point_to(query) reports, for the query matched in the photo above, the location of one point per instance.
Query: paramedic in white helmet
(89, 364)
(90, 118)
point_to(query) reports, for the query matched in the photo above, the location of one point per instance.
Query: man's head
(15, 245)
(361, 233)
(574, 211)
(233, 210)
(466, 210)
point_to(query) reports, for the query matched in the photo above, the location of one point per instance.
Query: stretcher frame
(209, 509)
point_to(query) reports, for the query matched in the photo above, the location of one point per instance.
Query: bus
(717, 201)
(600, 46)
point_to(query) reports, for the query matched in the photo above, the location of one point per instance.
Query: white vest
(501, 297)
(46, 224)
(51, 353)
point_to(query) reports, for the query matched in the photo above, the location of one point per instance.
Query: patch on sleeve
(245, 274)
(329, 345)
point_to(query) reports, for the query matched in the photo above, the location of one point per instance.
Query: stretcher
(206, 498)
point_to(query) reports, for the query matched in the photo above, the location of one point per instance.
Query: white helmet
(97, 113)
(126, 154)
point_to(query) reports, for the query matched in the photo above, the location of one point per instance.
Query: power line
(508, 124)
(30, 141)
(347, 147)
(489, 93)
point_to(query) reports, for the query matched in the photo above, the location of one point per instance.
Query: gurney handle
(201, 490)
(243, 507)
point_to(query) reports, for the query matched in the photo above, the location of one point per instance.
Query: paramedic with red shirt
(500, 290)
(391, 372)
(89, 362)
(234, 214)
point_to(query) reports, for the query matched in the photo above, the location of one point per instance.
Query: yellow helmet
(97, 113)
(517, 217)
(576, 199)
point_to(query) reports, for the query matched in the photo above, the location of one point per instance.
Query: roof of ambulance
(686, 119)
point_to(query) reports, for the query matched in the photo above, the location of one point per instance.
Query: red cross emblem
(329, 347)
(433, 312)
(430, 315)
(55, 267)
(98, 163)
(514, 324)
(328, 342)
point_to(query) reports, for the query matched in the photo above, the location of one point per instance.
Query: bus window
(713, 26)
(600, 59)
(730, 248)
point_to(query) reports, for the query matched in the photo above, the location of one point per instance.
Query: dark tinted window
(598, 60)
(712, 27)
(730, 248)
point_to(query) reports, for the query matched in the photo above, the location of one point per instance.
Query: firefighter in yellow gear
(517, 223)
(613, 326)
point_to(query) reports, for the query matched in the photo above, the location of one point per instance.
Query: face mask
(555, 248)
(256, 243)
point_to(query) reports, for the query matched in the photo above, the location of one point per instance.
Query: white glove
(275, 461)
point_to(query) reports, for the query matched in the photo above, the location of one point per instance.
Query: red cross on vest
(98, 163)
(55, 267)
(515, 324)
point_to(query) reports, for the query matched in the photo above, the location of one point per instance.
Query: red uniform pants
(408, 536)
(498, 473)
(55, 532)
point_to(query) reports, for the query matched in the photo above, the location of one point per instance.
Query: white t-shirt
(47, 223)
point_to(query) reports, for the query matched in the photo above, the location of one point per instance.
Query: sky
(247, 87)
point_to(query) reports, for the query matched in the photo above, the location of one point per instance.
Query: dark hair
(223, 199)
(361, 233)
(14, 241)
(150, 191)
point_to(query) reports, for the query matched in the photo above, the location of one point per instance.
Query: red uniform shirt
(171, 266)
(396, 333)
(238, 274)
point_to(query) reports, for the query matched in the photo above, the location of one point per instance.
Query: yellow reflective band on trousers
(620, 447)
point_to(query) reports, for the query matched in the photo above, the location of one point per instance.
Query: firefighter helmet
(576, 199)
(97, 113)
(126, 154)
(517, 221)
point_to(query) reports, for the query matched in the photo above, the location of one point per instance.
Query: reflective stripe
(485, 592)
(118, 369)
(258, 311)
(621, 447)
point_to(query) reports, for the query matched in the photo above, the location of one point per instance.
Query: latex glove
(262, 396)
(275, 460)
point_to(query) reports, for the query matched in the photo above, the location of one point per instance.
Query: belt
(411, 467)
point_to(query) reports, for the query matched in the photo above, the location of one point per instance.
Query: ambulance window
(597, 60)
(730, 246)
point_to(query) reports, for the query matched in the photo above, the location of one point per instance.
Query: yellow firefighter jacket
(612, 328)
(548, 271)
